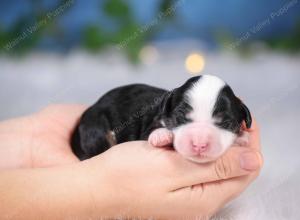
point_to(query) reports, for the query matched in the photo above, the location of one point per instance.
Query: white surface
(268, 83)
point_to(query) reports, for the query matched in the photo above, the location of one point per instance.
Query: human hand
(142, 181)
(41, 139)
(119, 180)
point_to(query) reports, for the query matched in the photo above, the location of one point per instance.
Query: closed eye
(230, 124)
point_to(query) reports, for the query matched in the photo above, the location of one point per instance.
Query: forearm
(49, 193)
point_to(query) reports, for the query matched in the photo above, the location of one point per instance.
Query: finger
(254, 137)
(213, 195)
(57, 159)
(235, 162)
(226, 190)
(47, 152)
(62, 159)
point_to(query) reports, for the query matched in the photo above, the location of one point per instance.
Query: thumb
(237, 161)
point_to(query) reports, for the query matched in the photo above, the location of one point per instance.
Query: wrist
(105, 199)
(53, 193)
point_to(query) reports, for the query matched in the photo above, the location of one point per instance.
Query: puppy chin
(221, 140)
(198, 159)
(206, 157)
(203, 158)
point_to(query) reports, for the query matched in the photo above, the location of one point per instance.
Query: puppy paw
(161, 137)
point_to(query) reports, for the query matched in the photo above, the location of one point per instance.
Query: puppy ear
(246, 115)
(166, 104)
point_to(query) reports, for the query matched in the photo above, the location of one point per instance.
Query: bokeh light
(194, 63)
(148, 54)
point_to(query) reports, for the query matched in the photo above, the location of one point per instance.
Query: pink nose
(200, 148)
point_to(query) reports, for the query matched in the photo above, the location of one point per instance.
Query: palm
(43, 137)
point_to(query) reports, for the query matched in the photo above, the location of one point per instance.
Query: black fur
(132, 112)
(231, 111)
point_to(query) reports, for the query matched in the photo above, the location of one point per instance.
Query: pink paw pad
(161, 137)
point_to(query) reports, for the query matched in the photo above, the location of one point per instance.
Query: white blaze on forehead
(202, 97)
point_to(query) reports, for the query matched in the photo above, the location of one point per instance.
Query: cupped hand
(145, 182)
(133, 179)
(41, 139)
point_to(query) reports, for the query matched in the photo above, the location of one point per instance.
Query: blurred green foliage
(117, 8)
(96, 37)
(243, 44)
(289, 43)
(129, 36)
(18, 33)
(29, 29)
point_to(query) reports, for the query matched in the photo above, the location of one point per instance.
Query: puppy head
(205, 116)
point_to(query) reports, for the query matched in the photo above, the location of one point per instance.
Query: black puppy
(201, 119)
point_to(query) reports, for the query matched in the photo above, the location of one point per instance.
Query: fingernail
(249, 161)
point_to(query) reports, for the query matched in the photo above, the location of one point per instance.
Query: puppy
(200, 119)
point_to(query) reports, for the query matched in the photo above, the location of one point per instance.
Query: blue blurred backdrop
(96, 24)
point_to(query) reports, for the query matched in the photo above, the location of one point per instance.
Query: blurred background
(73, 51)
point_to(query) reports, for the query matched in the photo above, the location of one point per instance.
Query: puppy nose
(200, 148)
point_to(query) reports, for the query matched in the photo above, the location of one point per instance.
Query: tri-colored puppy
(200, 119)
